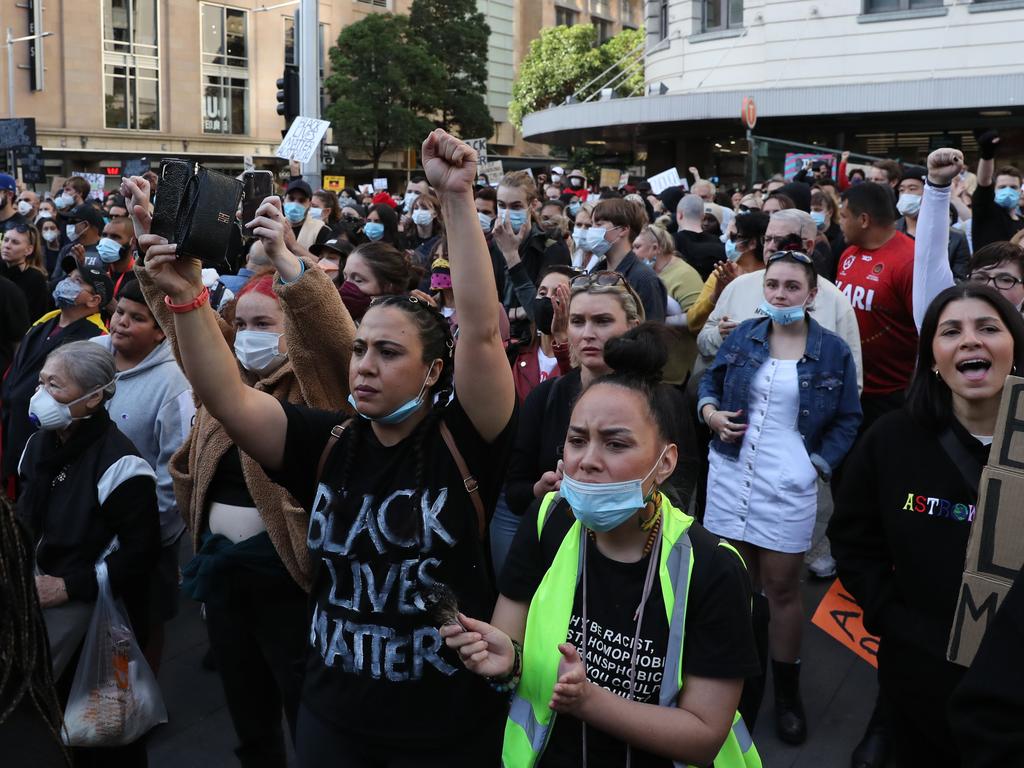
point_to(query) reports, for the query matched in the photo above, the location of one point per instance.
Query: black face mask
(543, 314)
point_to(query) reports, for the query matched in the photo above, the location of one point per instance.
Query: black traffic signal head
(288, 94)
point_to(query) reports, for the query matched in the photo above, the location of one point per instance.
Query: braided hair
(436, 336)
(25, 668)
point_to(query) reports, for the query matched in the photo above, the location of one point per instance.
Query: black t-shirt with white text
(718, 640)
(377, 666)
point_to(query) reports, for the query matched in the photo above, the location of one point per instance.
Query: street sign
(748, 112)
(334, 183)
(480, 145)
(17, 132)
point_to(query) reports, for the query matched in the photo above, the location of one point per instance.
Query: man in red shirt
(876, 273)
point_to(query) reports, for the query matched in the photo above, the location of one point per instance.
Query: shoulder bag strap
(472, 487)
(336, 432)
(969, 466)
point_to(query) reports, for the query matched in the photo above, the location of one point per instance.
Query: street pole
(309, 78)
(10, 72)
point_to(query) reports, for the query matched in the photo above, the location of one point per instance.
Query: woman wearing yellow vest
(623, 627)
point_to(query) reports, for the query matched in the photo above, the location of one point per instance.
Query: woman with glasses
(781, 399)
(23, 265)
(398, 488)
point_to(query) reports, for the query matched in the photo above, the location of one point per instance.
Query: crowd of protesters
(522, 474)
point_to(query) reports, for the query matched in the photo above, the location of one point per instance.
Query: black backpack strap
(969, 466)
(336, 432)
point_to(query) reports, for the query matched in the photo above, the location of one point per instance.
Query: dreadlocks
(25, 669)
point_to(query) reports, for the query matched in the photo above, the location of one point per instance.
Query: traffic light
(288, 94)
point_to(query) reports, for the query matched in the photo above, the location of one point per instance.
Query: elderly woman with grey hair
(83, 485)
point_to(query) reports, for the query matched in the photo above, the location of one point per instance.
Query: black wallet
(174, 176)
(207, 214)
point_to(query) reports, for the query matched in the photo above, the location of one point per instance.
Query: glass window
(722, 14)
(290, 54)
(225, 40)
(564, 17)
(131, 65)
(884, 6)
(603, 29)
(663, 20)
(626, 13)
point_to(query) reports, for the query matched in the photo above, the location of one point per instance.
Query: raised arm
(932, 274)
(483, 379)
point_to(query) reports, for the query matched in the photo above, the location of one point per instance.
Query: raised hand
(987, 143)
(180, 279)
(449, 164)
(269, 226)
(483, 649)
(725, 273)
(136, 190)
(560, 319)
(572, 687)
(508, 241)
(944, 165)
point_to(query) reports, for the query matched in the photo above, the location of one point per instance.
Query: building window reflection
(225, 42)
(131, 65)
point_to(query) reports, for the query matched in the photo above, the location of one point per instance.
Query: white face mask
(71, 230)
(258, 351)
(422, 217)
(49, 235)
(24, 207)
(64, 200)
(316, 213)
(46, 413)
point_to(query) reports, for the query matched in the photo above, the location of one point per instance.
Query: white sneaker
(823, 566)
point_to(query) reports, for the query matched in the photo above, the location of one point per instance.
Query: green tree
(382, 81)
(456, 33)
(565, 59)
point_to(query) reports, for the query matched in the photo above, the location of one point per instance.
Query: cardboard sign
(380, 185)
(303, 139)
(610, 177)
(493, 170)
(480, 145)
(366, 189)
(995, 549)
(30, 160)
(839, 615)
(334, 183)
(980, 598)
(96, 183)
(662, 181)
(135, 167)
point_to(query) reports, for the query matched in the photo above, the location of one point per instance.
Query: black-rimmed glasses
(1002, 281)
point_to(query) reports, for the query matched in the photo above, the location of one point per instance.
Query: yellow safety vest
(547, 624)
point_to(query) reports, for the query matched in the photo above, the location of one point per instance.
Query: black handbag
(206, 217)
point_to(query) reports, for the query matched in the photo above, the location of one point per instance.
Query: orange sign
(748, 112)
(840, 616)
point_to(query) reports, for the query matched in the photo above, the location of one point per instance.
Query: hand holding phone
(256, 186)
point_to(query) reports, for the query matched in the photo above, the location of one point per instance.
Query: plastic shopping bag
(114, 698)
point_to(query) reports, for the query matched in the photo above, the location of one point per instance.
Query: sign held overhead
(303, 139)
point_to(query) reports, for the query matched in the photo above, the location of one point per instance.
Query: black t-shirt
(700, 250)
(14, 321)
(32, 283)
(12, 222)
(377, 666)
(718, 640)
(228, 485)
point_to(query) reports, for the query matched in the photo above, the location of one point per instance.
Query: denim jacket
(829, 406)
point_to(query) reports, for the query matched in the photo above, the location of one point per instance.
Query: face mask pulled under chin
(258, 351)
(605, 506)
(402, 412)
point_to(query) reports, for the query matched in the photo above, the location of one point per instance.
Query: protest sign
(839, 615)
(493, 170)
(480, 145)
(302, 139)
(662, 181)
(380, 185)
(334, 183)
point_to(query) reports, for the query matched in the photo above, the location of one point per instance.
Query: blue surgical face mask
(908, 204)
(66, 293)
(316, 213)
(295, 212)
(515, 218)
(574, 208)
(1008, 198)
(109, 250)
(731, 254)
(819, 218)
(402, 412)
(782, 315)
(605, 506)
(596, 243)
(579, 236)
(374, 230)
(486, 222)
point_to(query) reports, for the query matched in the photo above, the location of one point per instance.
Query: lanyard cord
(638, 616)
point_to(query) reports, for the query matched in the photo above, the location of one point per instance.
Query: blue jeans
(504, 525)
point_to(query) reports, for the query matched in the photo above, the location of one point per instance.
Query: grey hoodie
(153, 406)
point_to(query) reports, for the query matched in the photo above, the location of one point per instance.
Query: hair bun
(641, 352)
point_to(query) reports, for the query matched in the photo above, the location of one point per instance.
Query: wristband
(508, 683)
(559, 346)
(181, 309)
(302, 271)
(938, 186)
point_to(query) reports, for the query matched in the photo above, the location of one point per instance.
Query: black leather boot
(790, 722)
(873, 748)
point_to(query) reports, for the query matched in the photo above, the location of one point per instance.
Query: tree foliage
(563, 60)
(457, 34)
(383, 80)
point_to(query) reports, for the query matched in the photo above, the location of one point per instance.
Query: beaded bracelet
(508, 683)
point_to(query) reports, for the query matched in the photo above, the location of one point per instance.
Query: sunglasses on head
(803, 258)
(604, 277)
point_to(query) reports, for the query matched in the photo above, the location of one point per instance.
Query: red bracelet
(196, 303)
